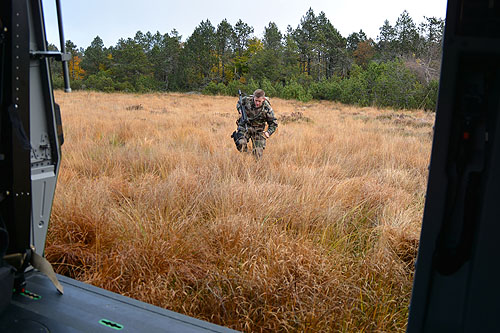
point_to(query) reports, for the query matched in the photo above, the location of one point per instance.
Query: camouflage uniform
(257, 119)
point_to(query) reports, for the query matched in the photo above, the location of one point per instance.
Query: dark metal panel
(455, 286)
(83, 308)
(15, 167)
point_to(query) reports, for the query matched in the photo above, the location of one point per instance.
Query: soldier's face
(258, 101)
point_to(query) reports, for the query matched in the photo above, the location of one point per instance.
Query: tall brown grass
(154, 202)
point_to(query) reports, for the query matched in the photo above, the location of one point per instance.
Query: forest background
(313, 61)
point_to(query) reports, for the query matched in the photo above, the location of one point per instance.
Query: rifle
(241, 110)
(243, 121)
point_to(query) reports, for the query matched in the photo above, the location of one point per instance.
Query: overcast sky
(115, 19)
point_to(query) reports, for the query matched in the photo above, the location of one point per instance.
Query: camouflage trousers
(242, 138)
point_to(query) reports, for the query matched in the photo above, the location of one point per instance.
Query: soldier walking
(255, 111)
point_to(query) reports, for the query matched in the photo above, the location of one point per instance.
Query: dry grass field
(320, 235)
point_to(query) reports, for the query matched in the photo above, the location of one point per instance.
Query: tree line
(313, 61)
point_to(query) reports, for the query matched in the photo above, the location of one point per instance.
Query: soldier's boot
(242, 145)
(258, 152)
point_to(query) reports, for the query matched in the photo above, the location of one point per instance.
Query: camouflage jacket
(258, 117)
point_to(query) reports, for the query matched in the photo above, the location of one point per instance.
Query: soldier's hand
(266, 134)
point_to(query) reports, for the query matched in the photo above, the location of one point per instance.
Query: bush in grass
(326, 89)
(102, 82)
(353, 89)
(426, 96)
(269, 88)
(147, 83)
(233, 87)
(252, 85)
(293, 90)
(393, 85)
(214, 89)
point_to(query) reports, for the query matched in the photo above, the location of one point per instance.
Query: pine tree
(387, 41)
(241, 38)
(354, 39)
(130, 65)
(198, 57)
(224, 36)
(407, 35)
(95, 59)
(242, 34)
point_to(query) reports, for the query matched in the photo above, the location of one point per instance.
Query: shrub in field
(57, 82)
(221, 88)
(147, 83)
(124, 86)
(304, 80)
(326, 90)
(251, 86)
(393, 85)
(293, 90)
(385, 84)
(269, 88)
(214, 89)
(426, 96)
(75, 84)
(354, 89)
(235, 85)
(100, 81)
